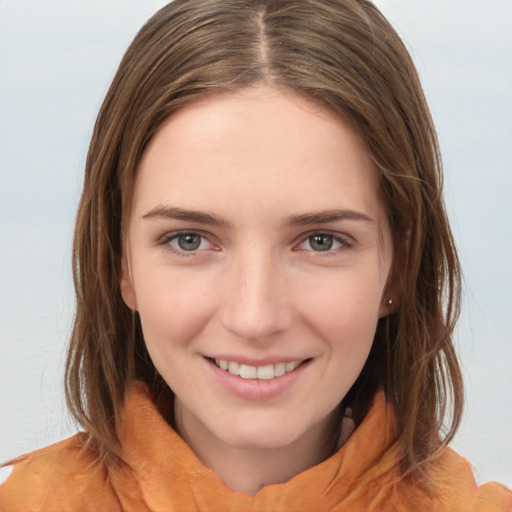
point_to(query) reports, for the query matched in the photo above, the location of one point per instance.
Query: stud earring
(390, 302)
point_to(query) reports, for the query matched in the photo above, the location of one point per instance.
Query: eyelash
(345, 242)
(170, 237)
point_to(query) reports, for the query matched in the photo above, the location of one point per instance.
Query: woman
(263, 266)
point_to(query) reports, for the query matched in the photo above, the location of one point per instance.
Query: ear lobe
(389, 305)
(126, 285)
(391, 298)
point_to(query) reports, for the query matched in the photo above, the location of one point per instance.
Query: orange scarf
(162, 474)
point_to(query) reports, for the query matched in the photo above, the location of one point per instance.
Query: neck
(249, 469)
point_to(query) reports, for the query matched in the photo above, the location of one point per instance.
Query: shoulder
(457, 487)
(5, 471)
(448, 485)
(61, 477)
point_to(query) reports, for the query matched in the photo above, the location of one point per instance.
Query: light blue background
(57, 59)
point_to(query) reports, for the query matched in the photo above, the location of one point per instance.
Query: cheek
(173, 307)
(345, 308)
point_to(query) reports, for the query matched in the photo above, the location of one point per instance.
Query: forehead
(262, 143)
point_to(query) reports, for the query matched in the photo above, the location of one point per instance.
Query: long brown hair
(345, 55)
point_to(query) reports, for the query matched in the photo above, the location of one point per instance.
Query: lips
(265, 372)
(256, 382)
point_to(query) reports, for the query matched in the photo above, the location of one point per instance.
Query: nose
(256, 306)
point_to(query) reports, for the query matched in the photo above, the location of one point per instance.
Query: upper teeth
(266, 372)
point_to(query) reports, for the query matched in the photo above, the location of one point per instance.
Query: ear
(126, 284)
(387, 307)
(391, 297)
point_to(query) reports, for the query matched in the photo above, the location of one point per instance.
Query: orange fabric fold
(161, 473)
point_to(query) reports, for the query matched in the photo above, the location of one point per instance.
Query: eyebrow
(324, 217)
(166, 212)
(201, 217)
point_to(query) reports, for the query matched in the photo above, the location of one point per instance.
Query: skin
(256, 287)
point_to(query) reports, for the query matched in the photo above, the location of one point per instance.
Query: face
(257, 256)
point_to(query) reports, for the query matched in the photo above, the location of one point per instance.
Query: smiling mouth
(267, 372)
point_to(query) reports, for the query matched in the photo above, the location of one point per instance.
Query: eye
(325, 242)
(186, 242)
